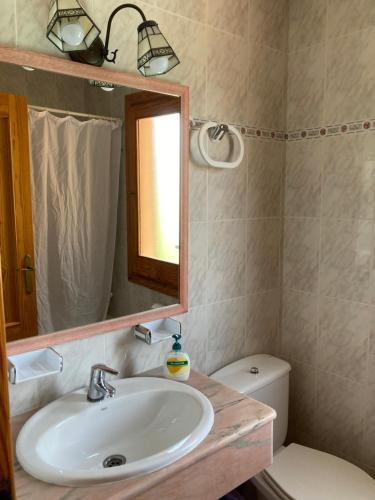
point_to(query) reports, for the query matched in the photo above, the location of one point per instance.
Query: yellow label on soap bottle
(177, 363)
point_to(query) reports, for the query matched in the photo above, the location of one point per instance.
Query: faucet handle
(98, 387)
(104, 368)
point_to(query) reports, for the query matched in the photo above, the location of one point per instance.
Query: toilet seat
(301, 473)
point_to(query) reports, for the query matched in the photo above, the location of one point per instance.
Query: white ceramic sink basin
(151, 421)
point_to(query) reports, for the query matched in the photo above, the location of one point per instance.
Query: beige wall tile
(350, 86)
(371, 369)
(301, 250)
(226, 332)
(193, 9)
(368, 444)
(197, 263)
(264, 179)
(307, 23)
(304, 163)
(348, 176)
(229, 16)
(118, 347)
(268, 23)
(267, 88)
(227, 77)
(197, 192)
(31, 21)
(344, 329)
(226, 277)
(306, 73)
(346, 16)
(300, 326)
(372, 345)
(262, 326)
(263, 254)
(303, 395)
(372, 285)
(8, 23)
(189, 40)
(340, 410)
(195, 337)
(346, 259)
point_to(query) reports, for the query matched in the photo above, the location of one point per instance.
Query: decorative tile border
(246, 131)
(296, 135)
(339, 129)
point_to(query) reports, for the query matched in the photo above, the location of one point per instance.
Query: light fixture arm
(109, 26)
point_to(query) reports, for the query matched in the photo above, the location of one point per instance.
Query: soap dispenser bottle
(177, 363)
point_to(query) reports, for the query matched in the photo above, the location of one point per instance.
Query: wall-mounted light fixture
(107, 86)
(70, 28)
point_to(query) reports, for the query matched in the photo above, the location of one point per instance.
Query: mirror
(91, 197)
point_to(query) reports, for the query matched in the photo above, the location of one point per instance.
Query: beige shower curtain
(75, 179)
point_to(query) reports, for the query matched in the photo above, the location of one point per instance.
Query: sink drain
(114, 461)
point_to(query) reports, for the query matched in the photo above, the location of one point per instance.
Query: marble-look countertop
(236, 415)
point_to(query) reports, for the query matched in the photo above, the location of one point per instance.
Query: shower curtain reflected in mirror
(75, 168)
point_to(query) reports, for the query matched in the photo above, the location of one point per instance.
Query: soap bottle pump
(177, 363)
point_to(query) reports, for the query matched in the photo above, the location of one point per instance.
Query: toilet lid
(306, 474)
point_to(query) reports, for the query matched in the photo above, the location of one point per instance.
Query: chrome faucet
(99, 388)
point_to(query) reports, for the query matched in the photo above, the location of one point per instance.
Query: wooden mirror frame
(70, 68)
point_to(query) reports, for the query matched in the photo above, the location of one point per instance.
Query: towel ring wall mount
(214, 132)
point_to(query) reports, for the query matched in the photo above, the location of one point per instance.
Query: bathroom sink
(150, 423)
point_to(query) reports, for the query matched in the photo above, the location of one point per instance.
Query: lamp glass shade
(70, 28)
(103, 85)
(155, 55)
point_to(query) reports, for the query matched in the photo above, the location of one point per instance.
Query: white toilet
(297, 472)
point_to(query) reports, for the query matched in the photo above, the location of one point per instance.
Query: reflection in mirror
(152, 150)
(158, 202)
(89, 201)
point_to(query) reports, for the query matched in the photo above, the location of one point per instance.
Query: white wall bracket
(34, 364)
(157, 331)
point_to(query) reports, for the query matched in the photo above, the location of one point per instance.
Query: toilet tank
(266, 379)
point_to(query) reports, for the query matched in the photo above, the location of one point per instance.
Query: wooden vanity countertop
(236, 416)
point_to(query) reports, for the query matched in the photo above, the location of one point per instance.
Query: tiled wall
(234, 60)
(328, 300)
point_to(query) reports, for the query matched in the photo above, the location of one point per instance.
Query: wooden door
(7, 484)
(16, 228)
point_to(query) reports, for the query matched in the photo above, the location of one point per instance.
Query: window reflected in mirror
(158, 198)
(153, 190)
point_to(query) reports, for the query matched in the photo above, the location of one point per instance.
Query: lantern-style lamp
(70, 28)
(155, 55)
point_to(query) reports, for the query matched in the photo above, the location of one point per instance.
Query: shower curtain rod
(74, 113)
